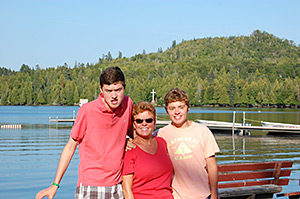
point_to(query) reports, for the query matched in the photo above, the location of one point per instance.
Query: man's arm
(129, 145)
(130, 132)
(63, 164)
(127, 186)
(212, 169)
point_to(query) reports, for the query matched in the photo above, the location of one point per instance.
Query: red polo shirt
(101, 135)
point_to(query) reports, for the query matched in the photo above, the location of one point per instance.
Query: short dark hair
(112, 75)
(176, 94)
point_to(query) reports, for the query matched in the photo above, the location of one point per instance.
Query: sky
(50, 33)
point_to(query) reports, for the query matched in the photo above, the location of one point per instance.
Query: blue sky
(53, 32)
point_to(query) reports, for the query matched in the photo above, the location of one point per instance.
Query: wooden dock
(213, 127)
(61, 120)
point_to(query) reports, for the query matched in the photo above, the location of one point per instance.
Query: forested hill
(260, 69)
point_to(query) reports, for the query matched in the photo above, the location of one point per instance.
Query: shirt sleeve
(158, 133)
(211, 147)
(163, 143)
(80, 125)
(129, 162)
(130, 108)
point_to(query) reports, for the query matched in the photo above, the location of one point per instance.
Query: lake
(29, 156)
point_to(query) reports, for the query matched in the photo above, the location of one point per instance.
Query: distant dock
(72, 120)
(61, 120)
(213, 127)
(278, 130)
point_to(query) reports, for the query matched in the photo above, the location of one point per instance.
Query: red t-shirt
(101, 135)
(152, 174)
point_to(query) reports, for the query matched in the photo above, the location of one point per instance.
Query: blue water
(29, 156)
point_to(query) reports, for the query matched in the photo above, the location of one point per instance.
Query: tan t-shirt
(188, 148)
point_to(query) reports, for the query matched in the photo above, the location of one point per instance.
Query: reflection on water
(29, 156)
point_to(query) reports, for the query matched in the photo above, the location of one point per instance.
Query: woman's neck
(148, 145)
(143, 140)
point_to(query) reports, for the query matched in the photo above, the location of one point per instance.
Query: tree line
(255, 70)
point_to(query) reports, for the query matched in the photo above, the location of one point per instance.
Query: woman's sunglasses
(140, 121)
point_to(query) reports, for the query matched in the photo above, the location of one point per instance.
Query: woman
(148, 170)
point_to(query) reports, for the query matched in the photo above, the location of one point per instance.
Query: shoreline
(294, 107)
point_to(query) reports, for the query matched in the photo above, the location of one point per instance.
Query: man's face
(113, 94)
(178, 112)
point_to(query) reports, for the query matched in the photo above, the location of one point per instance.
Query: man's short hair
(112, 75)
(176, 94)
(141, 107)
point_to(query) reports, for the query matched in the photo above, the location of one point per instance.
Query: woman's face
(144, 124)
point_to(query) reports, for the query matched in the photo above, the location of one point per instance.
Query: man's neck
(186, 124)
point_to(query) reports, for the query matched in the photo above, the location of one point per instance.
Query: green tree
(25, 69)
(120, 55)
(76, 93)
(4, 94)
(40, 98)
(173, 43)
(22, 99)
(109, 57)
(28, 92)
(14, 97)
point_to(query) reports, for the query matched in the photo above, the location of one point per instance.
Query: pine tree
(109, 57)
(120, 55)
(14, 96)
(173, 43)
(22, 99)
(76, 93)
(4, 94)
(40, 98)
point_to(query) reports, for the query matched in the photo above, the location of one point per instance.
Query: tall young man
(192, 149)
(100, 131)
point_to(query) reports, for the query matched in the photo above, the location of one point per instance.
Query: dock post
(49, 122)
(56, 121)
(233, 123)
(244, 146)
(243, 132)
(73, 114)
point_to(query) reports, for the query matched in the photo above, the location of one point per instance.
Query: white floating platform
(11, 126)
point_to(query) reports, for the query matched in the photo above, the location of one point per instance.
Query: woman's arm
(127, 186)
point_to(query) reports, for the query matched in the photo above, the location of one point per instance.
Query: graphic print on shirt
(183, 147)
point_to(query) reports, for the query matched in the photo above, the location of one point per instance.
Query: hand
(129, 144)
(214, 196)
(49, 192)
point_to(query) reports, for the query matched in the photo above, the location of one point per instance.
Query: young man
(100, 130)
(192, 149)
